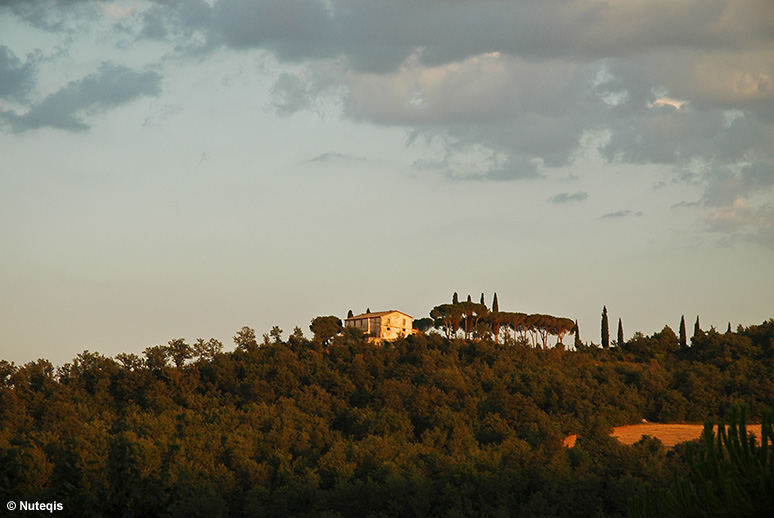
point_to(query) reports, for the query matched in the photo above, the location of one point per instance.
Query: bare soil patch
(669, 434)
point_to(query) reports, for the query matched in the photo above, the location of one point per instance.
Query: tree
(471, 314)
(495, 305)
(620, 333)
(560, 326)
(325, 328)
(455, 298)
(482, 300)
(156, 357)
(683, 335)
(447, 317)
(423, 324)
(350, 314)
(696, 328)
(207, 350)
(730, 475)
(276, 334)
(179, 351)
(245, 339)
(577, 335)
(605, 328)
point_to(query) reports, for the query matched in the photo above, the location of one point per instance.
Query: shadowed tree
(471, 314)
(325, 328)
(179, 351)
(683, 335)
(423, 324)
(207, 350)
(245, 339)
(620, 333)
(605, 328)
(350, 314)
(482, 300)
(577, 335)
(495, 304)
(455, 298)
(560, 326)
(276, 334)
(730, 475)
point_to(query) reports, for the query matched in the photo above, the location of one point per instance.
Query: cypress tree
(495, 305)
(469, 299)
(577, 335)
(455, 298)
(482, 300)
(605, 328)
(729, 328)
(350, 314)
(620, 333)
(368, 310)
(683, 335)
(696, 328)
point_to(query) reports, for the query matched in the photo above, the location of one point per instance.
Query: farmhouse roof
(374, 314)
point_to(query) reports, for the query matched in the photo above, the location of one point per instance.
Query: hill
(423, 426)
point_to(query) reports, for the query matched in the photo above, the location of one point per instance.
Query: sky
(183, 168)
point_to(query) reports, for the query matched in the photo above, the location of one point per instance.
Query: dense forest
(335, 426)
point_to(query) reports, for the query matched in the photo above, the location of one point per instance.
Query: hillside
(424, 426)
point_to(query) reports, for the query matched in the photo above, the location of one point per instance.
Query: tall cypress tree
(620, 333)
(455, 298)
(605, 328)
(697, 327)
(495, 305)
(683, 335)
(482, 300)
(577, 335)
(350, 314)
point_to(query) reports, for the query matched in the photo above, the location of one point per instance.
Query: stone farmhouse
(382, 325)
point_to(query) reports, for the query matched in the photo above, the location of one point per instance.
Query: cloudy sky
(183, 168)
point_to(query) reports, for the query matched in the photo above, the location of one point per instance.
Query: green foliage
(605, 329)
(621, 340)
(337, 426)
(731, 474)
(325, 328)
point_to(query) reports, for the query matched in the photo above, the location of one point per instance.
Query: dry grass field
(669, 434)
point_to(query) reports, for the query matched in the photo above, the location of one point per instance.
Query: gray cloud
(565, 197)
(621, 214)
(520, 83)
(292, 93)
(16, 78)
(684, 204)
(109, 87)
(725, 185)
(53, 15)
(740, 221)
(329, 157)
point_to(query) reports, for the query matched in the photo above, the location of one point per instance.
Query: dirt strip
(669, 434)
